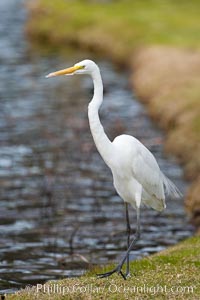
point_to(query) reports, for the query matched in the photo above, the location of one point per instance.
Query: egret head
(83, 67)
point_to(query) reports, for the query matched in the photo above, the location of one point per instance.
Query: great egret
(137, 177)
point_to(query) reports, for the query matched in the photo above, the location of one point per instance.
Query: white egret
(137, 177)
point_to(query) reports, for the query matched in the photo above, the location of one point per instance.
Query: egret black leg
(128, 231)
(118, 268)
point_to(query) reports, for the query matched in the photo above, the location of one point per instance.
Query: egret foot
(116, 270)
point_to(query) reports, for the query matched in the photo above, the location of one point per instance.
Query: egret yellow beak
(65, 71)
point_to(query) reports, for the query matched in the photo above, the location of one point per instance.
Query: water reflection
(59, 210)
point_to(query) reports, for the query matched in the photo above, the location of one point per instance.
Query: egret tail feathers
(170, 188)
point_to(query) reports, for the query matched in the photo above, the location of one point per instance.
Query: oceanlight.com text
(112, 288)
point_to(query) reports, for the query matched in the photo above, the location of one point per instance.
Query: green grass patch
(116, 27)
(171, 274)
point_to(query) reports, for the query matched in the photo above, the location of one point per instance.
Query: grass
(168, 81)
(171, 274)
(115, 28)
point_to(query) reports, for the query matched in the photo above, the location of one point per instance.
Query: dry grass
(168, 80)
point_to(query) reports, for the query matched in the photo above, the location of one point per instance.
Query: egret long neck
(101, 140)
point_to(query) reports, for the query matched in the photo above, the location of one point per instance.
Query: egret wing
(147, 172)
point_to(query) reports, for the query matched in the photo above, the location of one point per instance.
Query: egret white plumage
(137, 177)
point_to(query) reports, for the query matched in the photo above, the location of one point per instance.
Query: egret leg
(128, 231)
(118, 268)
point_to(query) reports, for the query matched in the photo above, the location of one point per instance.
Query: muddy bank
(167, 79)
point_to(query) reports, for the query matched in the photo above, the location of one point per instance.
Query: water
(58, 208)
